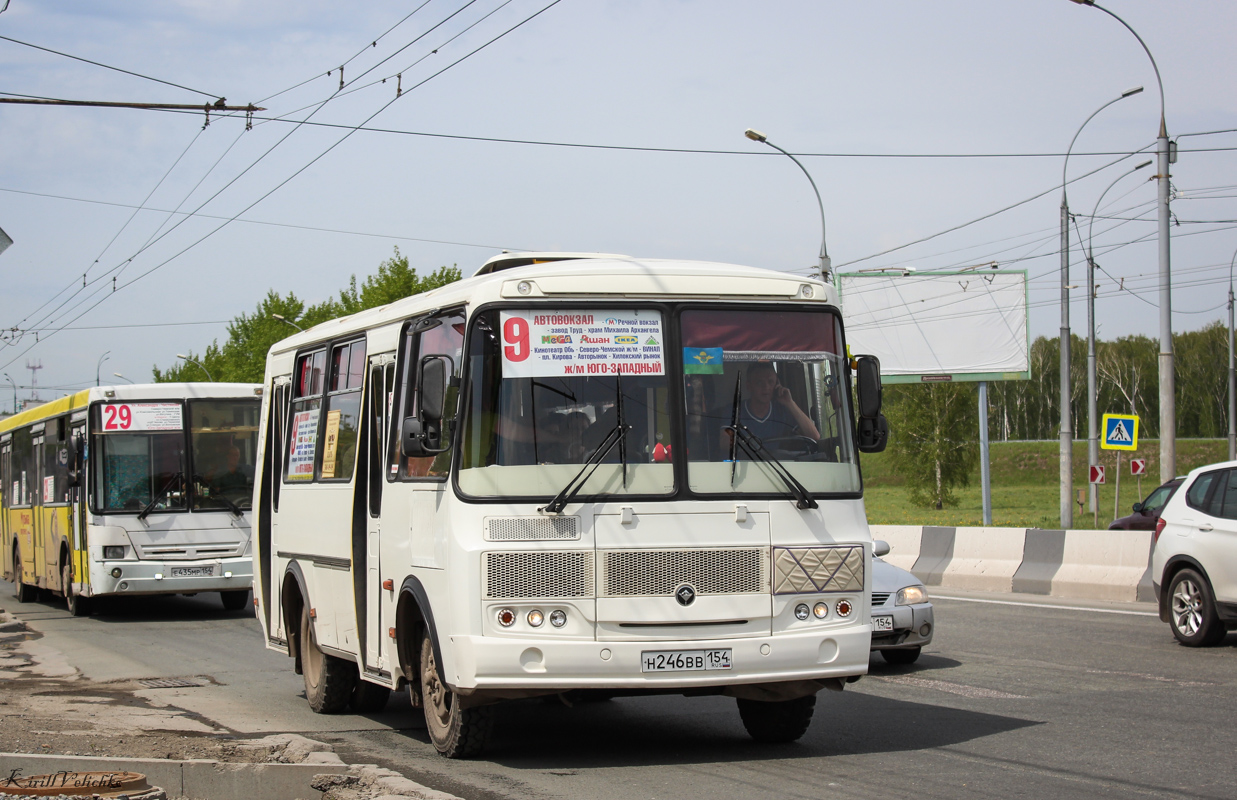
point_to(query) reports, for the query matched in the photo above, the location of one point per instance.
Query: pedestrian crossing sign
(1120, 432)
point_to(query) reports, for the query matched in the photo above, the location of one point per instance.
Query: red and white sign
(1097, 473)
(1138, 466)
(131, 417)
(538, 344)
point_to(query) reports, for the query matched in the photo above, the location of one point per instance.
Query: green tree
(934, 439)
(242, 357)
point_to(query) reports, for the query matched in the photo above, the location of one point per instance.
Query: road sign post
(1097, 478)
(1120, 433)
(1138, 468)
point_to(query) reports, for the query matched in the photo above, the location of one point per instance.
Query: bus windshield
(551, 394)
(224, 438)
(546, 393)
(142, 455)
(765, 390)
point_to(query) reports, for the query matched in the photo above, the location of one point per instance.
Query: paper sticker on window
(49, 489)
(304, 445)
(702, 361)
(537, 344)
(331, 444)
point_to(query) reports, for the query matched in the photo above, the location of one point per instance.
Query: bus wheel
(785, 721)
(23, 592)
(78, 606)
(328, 680)
(235, 600)
(456, 732)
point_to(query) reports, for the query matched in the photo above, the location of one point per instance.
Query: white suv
(1194, 563)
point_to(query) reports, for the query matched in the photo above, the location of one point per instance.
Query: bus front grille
(537, 575)
(658, 573)
(531, 529)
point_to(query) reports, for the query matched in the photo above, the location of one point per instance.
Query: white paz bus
(134, 489)
(571, 472)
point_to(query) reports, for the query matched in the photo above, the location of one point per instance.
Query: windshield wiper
(616, 436)
(167, 487)
(755, 448)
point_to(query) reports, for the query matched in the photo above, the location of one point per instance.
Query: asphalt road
(1010, 701)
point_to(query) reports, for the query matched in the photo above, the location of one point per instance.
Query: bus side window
(443, 339)
(278, 419)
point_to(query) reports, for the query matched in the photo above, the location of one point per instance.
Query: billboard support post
(985, 478)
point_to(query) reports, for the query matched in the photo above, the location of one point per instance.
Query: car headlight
(912, 595)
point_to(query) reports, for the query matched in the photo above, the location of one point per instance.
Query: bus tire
(777, 723)
(328, 679)
(78, 606)
(22, 591)
(369, 698)
(455, 732)
(235, 600)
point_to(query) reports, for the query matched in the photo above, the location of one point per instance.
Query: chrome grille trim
(531, 529)
(534, 574)
(658, 573)
(811, 570)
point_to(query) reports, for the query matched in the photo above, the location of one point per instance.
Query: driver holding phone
(769, 411)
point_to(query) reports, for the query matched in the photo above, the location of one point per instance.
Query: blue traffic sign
(1120, 432)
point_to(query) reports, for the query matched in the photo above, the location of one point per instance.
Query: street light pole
(14, 385)
(825, 264)
(1066, 432)
(102, 358)
(287, 321)
(1168, 402)
(122, 377)
(200, 366)
(1093, 435)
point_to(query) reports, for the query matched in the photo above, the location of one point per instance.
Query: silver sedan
(902, 620)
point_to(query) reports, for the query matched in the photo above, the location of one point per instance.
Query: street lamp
(1067, 439)
(1093, 436)
(757, 136)
(287, 321)
(122, 377)
(1168, 407)
(1232, 375)
(14, 385)
(102, 358)
(199, 363)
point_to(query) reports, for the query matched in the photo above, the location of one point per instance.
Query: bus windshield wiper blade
(755, 448)
(167, 487)
(617, 435)
(734, 425)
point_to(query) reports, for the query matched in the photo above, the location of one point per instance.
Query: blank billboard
(939, 326)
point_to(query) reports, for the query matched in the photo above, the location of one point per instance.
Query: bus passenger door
(41, 569)
(378, 413)
(77, 511)
(6, 470)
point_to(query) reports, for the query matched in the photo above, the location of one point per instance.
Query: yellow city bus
(136, 489)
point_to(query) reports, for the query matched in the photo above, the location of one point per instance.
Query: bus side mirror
(73, 452)
(422, 435)
(872, 428)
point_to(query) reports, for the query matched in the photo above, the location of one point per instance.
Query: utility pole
(34, 367)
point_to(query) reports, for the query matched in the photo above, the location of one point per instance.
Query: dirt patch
(50, 709)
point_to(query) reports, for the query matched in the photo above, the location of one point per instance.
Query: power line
(114, 69)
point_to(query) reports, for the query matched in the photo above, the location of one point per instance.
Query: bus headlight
(113, 551)
(535, 618)
(558, 618)
(844, 608)
(506, 617)
(821, 610)
(801, 612)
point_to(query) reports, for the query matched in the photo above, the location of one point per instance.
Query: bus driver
(769, 411)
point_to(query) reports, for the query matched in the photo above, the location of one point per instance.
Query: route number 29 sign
(139, 417)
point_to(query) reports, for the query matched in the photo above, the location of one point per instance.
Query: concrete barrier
(1083, 564)
(985, 559)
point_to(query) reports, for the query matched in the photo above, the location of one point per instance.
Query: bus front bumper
(484, 662)
(173, 577)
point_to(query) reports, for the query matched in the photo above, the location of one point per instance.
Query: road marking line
(952, 688)
(1047, 605)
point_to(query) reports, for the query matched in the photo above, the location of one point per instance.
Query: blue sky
(863, 81)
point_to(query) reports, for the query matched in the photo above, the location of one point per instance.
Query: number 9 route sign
(555, 343)
(1120, 432)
